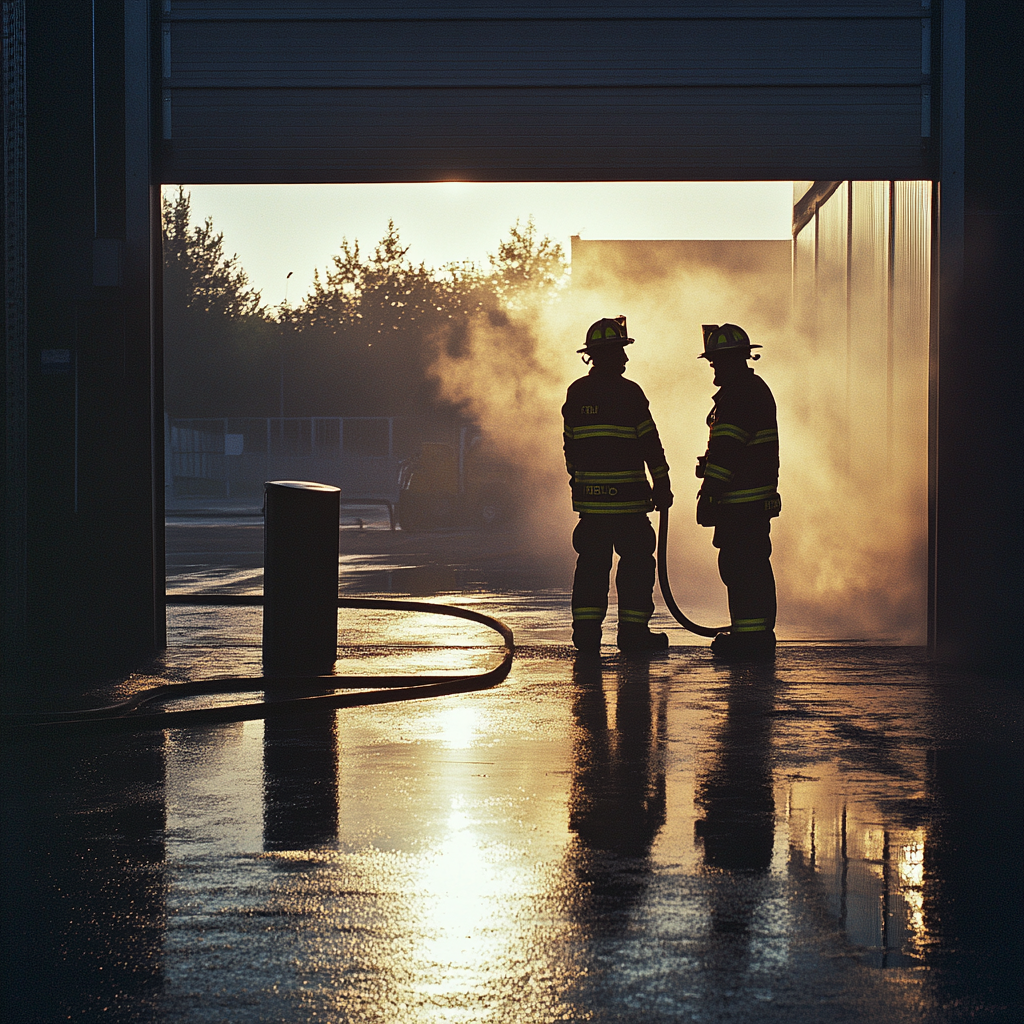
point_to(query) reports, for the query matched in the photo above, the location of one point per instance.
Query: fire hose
(125, 717)
(666, 589)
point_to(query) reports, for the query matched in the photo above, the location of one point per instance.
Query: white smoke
(850, 545)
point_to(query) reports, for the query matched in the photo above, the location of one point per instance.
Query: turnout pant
(632, 537)
(744, 563)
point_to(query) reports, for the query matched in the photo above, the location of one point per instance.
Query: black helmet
(605, 333)
(724, 338)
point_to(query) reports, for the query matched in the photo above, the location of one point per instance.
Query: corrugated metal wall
(263, 91)
(909, 319)
(867, 329)
(862, 285)
(862, 276)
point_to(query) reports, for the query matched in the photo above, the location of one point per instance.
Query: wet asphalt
(835, 837)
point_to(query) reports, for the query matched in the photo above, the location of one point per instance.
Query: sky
(280, 229)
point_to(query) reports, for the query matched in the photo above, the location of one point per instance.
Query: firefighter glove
(662, 494)
(702, 461)
(707, 510)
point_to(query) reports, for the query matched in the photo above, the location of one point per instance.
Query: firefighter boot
(634, 639)
(586, 637)
(758, 646)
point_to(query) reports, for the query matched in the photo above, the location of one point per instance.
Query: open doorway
(473, 354)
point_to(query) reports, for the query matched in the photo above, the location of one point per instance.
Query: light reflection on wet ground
(836, 838)
(612, 842)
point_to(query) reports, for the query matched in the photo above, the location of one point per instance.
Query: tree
(367, 326)
(381, 321)
(526, 269)
(197, 274)
(219, 346)
(496, 311)
(365, 340)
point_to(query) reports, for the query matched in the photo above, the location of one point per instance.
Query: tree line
(360, 343)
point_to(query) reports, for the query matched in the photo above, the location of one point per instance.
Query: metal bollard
(300, 577)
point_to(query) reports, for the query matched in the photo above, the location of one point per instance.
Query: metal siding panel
(803, 274)
(536, 134)
(831, 273)
(821, 287)
(911, 280)
(868, 326)
(371, 93)
(337, 10)
(467, 54)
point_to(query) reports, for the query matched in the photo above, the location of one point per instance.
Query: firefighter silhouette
(609, 436)
(740, 496)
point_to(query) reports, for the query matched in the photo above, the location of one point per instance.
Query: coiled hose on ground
(124, 716)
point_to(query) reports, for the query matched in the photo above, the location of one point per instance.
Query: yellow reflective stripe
(730, 430)
(628, 615)
(646, 427)
(718, 472)
(588, 614)
(625, 476)
(765, 437)
(611, 507)
(603, 430)
(751, 494)
(749, 625)
(659, 471)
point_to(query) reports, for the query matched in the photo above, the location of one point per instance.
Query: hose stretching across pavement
(124, 716)
(388, 689)
(666, 589)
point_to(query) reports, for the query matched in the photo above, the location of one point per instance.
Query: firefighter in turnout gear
(608, 437)
(739, 496)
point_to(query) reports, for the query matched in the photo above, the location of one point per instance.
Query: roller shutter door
(264, 91)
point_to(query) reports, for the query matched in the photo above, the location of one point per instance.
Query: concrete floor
(835, 838)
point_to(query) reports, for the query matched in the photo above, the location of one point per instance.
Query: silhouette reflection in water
(734, 791)
(616, 810)
(300, 781)
(617, 800)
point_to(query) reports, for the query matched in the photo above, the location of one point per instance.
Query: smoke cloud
(850, 544)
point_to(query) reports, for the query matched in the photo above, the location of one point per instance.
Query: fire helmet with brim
(724, 338)
(606, 333)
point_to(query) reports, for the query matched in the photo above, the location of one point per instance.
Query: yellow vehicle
(449, 487)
